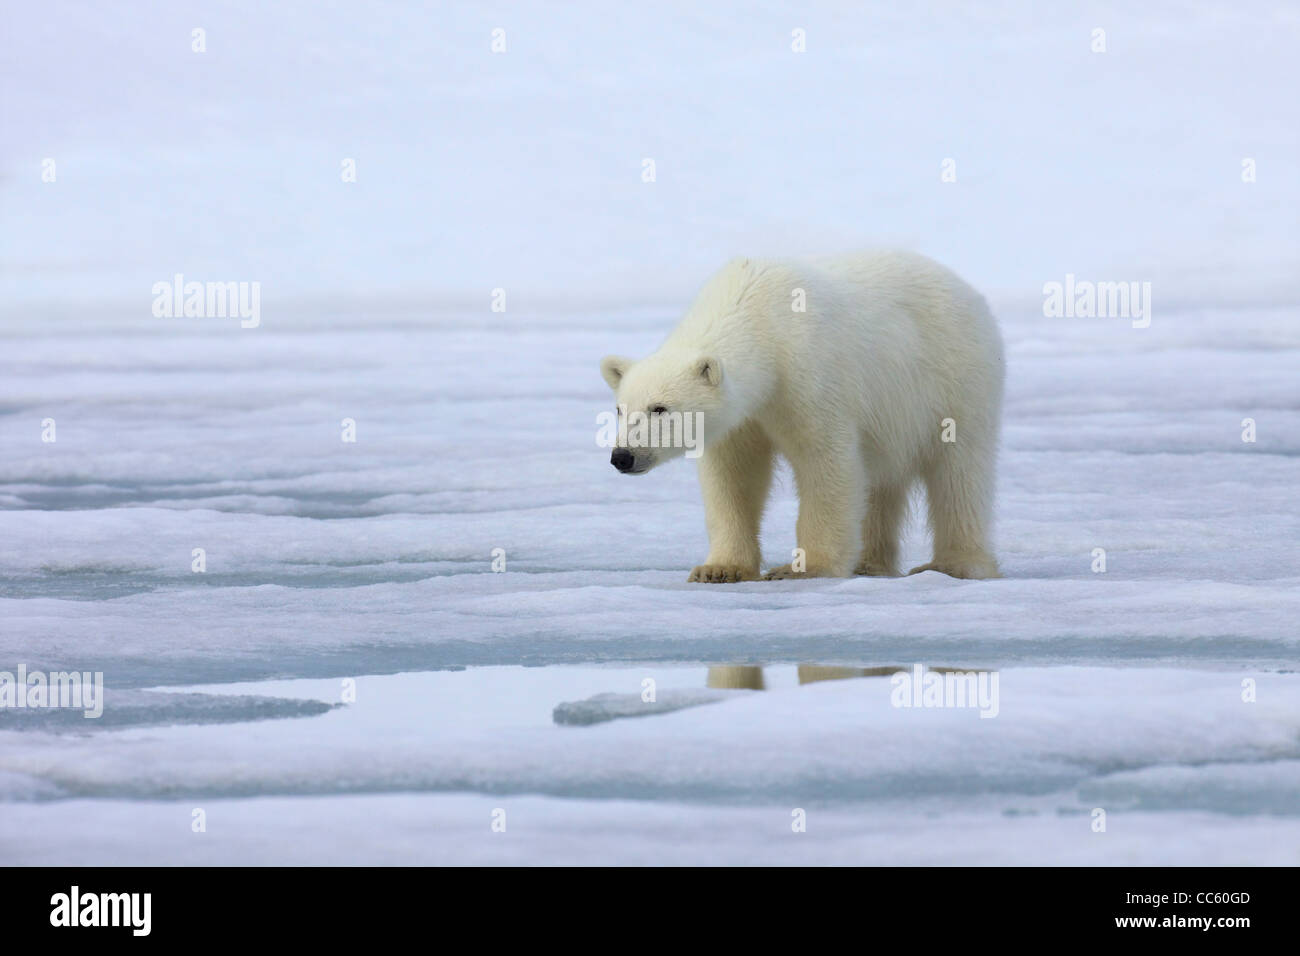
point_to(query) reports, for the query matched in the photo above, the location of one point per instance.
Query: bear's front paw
(814, 570)
(783, 572)
(875, 569)
(721, 574)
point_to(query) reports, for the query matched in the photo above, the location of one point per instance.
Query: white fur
(852, 392)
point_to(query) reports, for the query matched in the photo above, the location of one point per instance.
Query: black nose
(621, 459)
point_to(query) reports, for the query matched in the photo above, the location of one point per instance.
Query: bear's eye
(658, 410)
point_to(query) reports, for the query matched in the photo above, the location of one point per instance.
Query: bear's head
(665, 403)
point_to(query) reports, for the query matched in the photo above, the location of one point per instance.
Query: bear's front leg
(735, 475)
(832, 502)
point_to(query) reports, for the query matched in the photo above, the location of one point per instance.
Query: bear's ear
(613, 368)
(709, 368)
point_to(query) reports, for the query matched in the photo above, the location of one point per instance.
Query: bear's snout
(622, 459)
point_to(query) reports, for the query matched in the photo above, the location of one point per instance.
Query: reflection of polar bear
(866, 373)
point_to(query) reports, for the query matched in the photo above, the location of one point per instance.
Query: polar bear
(865, 372)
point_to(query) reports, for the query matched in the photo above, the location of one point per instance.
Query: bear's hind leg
(735, 476)
(959, 486)
(886, 509)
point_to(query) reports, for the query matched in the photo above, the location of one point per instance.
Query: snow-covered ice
(370, 561)
(1181, 765)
